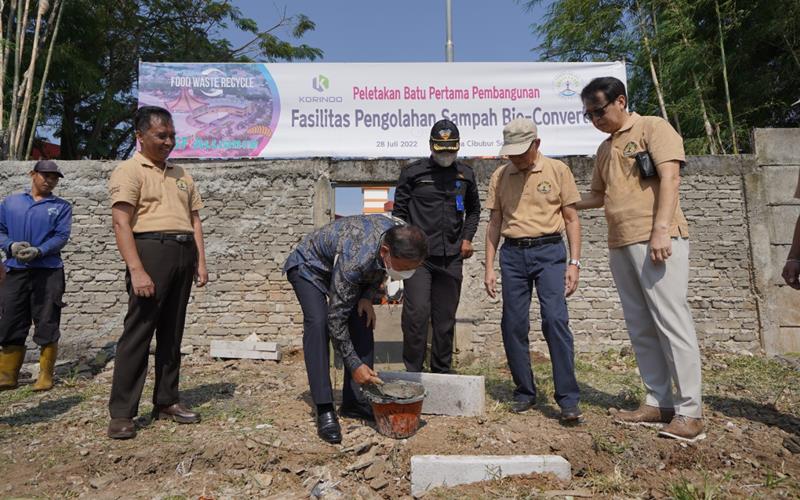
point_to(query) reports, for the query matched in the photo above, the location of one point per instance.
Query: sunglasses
(597, 113)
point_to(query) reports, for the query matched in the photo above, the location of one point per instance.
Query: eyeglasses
(597, 113)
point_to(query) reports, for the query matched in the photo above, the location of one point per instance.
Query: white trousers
(660, 324)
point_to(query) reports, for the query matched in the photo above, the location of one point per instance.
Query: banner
(368, 110)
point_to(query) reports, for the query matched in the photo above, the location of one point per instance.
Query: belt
(179, 237)
(534, 242)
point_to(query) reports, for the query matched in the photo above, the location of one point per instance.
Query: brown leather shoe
(684, 428)
(121, 428)
(177, 413)
(646, 415)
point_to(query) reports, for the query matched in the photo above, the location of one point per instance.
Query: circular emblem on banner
(219, 110)
(544, 187)
(630, 149)
(567, 85)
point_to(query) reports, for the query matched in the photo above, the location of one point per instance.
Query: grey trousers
(660, 324)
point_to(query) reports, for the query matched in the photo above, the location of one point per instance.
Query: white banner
(368, 110)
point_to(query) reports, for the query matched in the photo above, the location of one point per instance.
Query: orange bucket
(397, 406)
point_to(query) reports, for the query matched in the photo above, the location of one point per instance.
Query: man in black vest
(439, 195)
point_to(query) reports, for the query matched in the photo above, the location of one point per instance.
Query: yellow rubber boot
(47, 364)
(11, 358)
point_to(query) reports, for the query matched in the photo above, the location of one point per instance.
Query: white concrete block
(245, 344)
(454, 395)
(431, 471)
(240, 350)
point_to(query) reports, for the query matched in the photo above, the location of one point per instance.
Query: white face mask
(398, 275)
(444, 158)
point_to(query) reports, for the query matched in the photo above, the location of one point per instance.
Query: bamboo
(653, 74)
(12, 34)
(2, 64)
(59, 6)
(12, 121)
(725, 80)
(28, 89)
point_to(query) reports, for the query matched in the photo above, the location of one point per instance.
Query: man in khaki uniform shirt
(159, 235)
(532, 201)
(649, 256)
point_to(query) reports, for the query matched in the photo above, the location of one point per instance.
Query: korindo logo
(567, 85)
(320, 98)
(320, 83)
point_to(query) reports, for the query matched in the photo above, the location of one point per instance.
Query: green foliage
(91, 95)
(762, 48)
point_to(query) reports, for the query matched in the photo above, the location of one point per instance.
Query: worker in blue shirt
(34, 227)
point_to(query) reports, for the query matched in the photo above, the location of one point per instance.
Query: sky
(407, 31)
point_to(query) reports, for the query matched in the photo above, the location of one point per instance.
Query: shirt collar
(629, 122)
(538, 165)
(30, 195)
(145, 162)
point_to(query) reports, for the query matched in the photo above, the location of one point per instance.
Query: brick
(431, 471)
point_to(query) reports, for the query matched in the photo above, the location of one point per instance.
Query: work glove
(28, 254)
(17, 247)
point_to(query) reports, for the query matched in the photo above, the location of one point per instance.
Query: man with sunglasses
(648, 256)
(532, 201)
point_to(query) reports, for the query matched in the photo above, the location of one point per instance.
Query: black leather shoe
(121, 428)
(328, 427)
(571, 415)
(521, 406)
(357, 409)
(176, 412)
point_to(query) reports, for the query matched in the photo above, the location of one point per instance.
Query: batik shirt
(342, 260)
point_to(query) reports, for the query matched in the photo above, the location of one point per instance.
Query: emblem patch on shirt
(182, 185)
(52, 212)
(544, 187)
(630, 149)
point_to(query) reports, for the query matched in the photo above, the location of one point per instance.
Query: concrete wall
(770, 191)
(257, 210)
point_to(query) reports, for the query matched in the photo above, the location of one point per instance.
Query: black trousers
(31, 295)
(431, 296)
(171, 265)
(316, 350)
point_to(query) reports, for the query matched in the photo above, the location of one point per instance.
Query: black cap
(47, 166)
(444, 136)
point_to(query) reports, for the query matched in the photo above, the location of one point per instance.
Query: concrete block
(454, 395)
(780, 183)
(777, 146)
(782, 221)
(431, 471)
(245, 350)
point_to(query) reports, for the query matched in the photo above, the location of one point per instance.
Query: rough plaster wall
(256, 211)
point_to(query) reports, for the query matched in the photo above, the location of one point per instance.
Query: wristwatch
(575, 262)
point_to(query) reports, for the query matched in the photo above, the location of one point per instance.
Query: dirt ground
(258, 440)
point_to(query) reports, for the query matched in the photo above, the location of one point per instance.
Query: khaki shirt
(163, 199)
(630, 201)
(531, 201)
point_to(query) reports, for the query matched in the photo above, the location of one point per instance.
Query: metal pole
(448, 47)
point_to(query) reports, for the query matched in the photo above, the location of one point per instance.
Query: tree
(17, 130)
(716, 68)
(91, 96)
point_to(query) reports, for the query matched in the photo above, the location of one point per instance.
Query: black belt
(534, 242)
(179, 237)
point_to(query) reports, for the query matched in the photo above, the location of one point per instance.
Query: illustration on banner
(219, 110)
